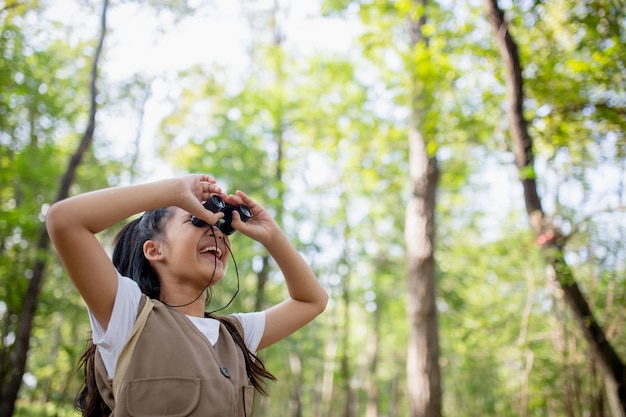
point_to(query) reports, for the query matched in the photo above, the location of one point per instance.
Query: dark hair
(128, 255)
(129, 260)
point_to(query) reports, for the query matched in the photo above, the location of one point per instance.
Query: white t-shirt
(111, 341)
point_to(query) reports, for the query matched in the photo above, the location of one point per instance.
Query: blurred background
(453, 171)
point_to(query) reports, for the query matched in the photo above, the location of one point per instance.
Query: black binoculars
(216, 204)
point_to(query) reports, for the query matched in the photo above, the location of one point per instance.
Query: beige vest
(175, 371)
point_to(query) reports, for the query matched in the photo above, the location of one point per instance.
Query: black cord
(206, 288)
(236, 273)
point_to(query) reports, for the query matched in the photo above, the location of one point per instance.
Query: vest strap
(127, 351)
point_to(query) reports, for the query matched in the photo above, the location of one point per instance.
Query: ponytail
(89, 402)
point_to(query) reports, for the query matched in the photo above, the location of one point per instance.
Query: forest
(453, 171)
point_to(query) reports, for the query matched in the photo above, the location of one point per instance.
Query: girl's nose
(217, 232)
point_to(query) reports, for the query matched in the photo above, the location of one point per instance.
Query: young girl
(156, 352)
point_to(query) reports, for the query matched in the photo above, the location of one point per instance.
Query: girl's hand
(194, 189)
(261, 226)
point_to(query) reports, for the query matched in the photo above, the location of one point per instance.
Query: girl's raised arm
(307, 298)
(73, 224)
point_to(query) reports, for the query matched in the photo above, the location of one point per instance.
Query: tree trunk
(295, 403)
(261, 279)
(324, 407)
(19, 355)
(529, 355)
(548, 236)
(262, 403)
(423, 373)
(278, 137)
(349, 409)
(373, 355)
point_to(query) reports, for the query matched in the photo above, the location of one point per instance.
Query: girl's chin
(216, 280)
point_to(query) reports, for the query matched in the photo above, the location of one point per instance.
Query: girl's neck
(183, 302)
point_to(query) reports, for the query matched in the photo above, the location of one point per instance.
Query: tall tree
(548, 235)
(423, 373)
(398, 40)
(11, 386)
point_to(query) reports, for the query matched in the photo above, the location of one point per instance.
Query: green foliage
(43, 90)
(575, 68)
(321, 141)
(39, 102)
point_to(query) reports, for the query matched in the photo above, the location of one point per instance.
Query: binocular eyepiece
(216, 204)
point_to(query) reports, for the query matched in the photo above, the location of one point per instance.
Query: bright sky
(140, 42)
(215, 34)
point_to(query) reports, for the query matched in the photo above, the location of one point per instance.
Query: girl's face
(198, 255)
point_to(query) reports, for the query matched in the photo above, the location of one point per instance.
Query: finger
(238, 224)
(255, 207)
(204, 214)
(236, 219)
(246, 199)
(208, 218)
(233, 199)
(207, 178)
(234, 223)
(209, 188)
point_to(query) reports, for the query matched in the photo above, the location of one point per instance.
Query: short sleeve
(253, 328)
(123, 316)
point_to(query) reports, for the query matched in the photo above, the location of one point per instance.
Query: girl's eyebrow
(185, 216)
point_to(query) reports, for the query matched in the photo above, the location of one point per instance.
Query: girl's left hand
(261, 226)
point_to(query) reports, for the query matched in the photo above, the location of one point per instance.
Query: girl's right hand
(196, 189)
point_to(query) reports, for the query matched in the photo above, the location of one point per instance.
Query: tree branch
(552, 242)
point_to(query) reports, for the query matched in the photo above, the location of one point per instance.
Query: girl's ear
(152, 250)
